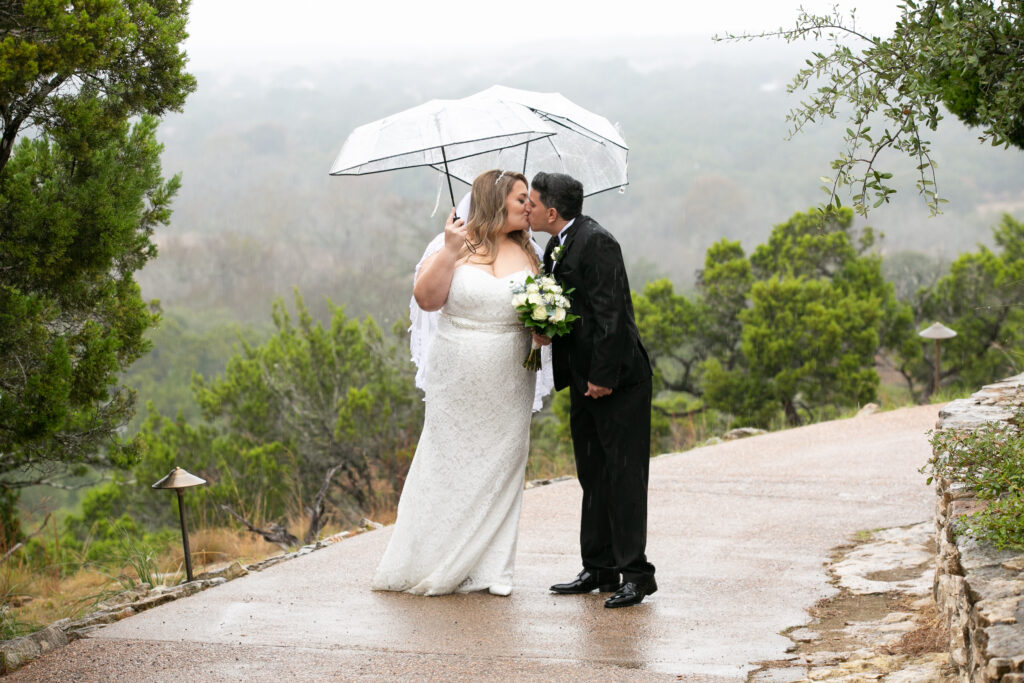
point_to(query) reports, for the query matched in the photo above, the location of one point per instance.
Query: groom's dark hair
(561, 192)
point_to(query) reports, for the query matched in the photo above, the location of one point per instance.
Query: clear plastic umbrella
(439, 133)
(586, 145)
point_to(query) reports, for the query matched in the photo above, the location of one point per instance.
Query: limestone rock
(94, 620)
(924, 669)
(974, 555)
(18, 652)
(264, 564)
(165, 595)
(966, 506)
(992, 403)
(886, 631)
(741, 433)
(1004, 640)
(997, 667)
(896, 559)
(19, 600)
(125, 597)
(232, 571)
(824, 658)
(802, 635)
(786, 675)
(963, 413)
(993, 583)
(868, 409)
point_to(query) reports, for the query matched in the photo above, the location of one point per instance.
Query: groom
(606, 368)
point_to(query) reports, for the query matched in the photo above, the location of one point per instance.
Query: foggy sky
(268, 33)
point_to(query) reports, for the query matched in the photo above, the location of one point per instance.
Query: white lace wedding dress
(458, 515)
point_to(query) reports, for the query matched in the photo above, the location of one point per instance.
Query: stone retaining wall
(979, 590)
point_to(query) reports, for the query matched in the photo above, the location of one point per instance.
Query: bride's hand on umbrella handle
(455, 233)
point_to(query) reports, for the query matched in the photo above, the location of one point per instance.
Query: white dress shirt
(561, 241)
(561, 233)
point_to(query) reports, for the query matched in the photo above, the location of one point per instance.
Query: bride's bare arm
(435, 277)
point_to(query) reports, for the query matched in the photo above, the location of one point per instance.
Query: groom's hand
(594, 391)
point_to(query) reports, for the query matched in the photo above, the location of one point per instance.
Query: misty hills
(258, 214)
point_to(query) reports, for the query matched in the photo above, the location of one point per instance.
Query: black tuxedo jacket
(603, 346)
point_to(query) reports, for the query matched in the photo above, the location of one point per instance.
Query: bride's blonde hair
(488, 215)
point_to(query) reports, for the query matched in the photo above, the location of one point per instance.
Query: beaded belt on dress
(487, 326)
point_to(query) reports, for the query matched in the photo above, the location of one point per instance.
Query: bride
(458, 515)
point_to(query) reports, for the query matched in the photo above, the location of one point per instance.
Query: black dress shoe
(586, 581)
(632, 593)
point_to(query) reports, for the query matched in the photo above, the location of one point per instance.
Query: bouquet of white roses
(543, 307)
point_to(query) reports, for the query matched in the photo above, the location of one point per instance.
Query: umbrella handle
(448, 175)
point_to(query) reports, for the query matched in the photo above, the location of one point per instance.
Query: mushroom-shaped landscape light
(179, 480)
(938, 332)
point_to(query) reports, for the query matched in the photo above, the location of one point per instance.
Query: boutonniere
(556, 253)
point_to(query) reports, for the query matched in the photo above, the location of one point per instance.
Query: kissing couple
(458, 515)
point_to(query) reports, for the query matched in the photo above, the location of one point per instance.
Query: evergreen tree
(79, 201)
(312, 409)
(981, 299)
(795, 327)
(339, 399)
(964, 54)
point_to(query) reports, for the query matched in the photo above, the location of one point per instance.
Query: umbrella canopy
(438, 133)
(586, 145)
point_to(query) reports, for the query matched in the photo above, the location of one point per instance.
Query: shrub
(990, 461)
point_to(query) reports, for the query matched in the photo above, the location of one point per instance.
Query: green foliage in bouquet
(544, 307)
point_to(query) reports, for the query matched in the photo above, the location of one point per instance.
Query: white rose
(519, 300)
(533, 288)
(536, 298)
(558, 316)
(540, 313)
(548, 282)
(555, 289)
(549, 298)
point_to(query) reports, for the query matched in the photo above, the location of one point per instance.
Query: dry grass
(548, 465)
(691, 431)
(213, 547)
(383, 516)
(33, 599)
(931, 635)
(36, 599)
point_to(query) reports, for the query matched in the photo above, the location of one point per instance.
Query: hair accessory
(500, 176)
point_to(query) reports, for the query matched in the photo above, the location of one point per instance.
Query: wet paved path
(738, 532)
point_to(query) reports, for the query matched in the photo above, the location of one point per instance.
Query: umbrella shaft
(448, 175)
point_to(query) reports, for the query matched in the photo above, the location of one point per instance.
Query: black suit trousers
(611, 439)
